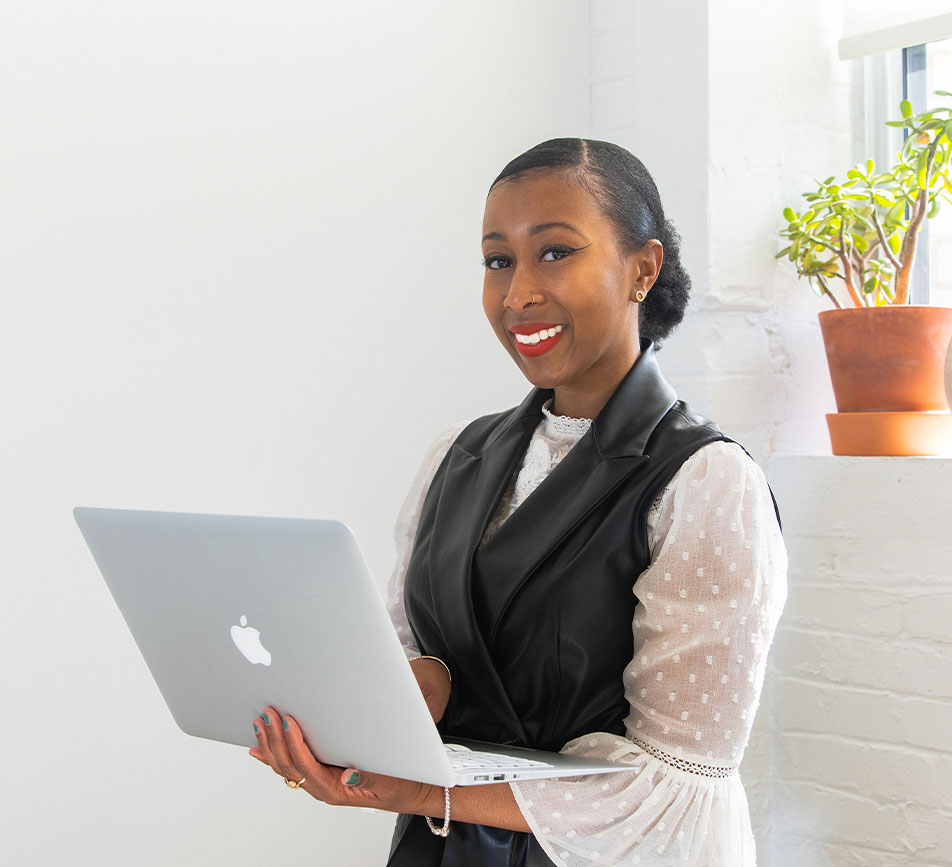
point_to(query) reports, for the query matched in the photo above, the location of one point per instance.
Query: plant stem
(907, 253)
(828, 293)
(882, 240)
(848, 270)
(859, 267)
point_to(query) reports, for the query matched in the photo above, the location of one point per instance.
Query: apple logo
(248, 640)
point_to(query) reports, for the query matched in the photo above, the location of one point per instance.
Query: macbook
(233, 614)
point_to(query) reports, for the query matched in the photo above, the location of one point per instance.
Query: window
(928, 68)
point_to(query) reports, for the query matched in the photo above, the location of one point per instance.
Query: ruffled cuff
(658, 813)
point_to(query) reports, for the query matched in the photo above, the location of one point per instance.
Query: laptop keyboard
(464, 759)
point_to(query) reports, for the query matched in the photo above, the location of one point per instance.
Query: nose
(521, 292)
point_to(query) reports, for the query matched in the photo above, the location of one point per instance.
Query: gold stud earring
(640, 296)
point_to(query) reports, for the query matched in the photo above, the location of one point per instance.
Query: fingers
(281, 745)
(269, 731)
(358, 781)
(317, 774)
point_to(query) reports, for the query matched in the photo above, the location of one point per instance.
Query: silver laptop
(234, 614)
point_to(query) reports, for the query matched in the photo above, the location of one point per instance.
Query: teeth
(544, 334)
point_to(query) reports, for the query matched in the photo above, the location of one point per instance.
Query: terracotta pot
(890, 433)
(948, 375)
(887, 359)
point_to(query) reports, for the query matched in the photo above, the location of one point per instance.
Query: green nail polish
(266, 718)
(287, 728)
(257, 730)
(353, 779)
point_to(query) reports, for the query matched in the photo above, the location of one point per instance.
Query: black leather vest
(536, 624)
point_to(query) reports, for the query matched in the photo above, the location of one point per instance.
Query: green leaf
(898, 123)
(906, 108)
(856, 174)
(870, 285)
(897, 212)
(789, 214)
(895, 242)
(870, 165)
(934, 208)
(829, 180)
(884, 198)
(942, 93)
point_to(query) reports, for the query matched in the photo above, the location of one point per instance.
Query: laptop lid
(233, 614)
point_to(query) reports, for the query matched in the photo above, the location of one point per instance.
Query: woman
(527, 531)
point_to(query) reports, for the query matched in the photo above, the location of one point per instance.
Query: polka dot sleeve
(708, 606)
(404, 532)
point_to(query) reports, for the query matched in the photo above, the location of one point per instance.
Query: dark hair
(627, 195)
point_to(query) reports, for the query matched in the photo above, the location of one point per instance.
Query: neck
(588, 402)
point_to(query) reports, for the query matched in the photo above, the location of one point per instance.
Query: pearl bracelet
(436, 659)
(445, 830)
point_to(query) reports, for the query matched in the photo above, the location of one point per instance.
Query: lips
(536, 338)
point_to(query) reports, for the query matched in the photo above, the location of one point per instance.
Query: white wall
(861, 713)
(240, 272)
(734, 107)
(650, 95)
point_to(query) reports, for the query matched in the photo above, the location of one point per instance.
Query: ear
(645, 265)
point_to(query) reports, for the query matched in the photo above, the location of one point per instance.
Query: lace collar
(563, 425)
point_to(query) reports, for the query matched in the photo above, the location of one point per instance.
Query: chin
(536, 376)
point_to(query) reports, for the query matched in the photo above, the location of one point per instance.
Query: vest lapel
(472, 487)
(611, 451)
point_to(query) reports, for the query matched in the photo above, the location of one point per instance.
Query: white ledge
(898, 36)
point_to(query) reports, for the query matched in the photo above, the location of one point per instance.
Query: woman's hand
(434, 682)
(281, 745)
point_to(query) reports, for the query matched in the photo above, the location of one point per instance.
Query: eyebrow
(535, 230)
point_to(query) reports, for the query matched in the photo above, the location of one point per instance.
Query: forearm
(492, 805)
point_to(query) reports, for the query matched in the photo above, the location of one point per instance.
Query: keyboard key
(464, 759)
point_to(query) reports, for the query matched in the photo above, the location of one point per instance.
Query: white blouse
(708, 606)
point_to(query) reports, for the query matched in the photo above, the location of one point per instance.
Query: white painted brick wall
(859, 714)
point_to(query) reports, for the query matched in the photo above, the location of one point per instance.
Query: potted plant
(855, 242)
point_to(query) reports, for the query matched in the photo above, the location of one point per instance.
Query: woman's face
(558, 291)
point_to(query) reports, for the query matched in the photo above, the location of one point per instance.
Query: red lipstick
(539, 337)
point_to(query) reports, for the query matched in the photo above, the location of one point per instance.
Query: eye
(495, 263)
(557, 252)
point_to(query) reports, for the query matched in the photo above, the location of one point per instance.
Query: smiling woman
(600, 568)
(564, 284)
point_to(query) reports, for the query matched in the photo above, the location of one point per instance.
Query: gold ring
(293, 785)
